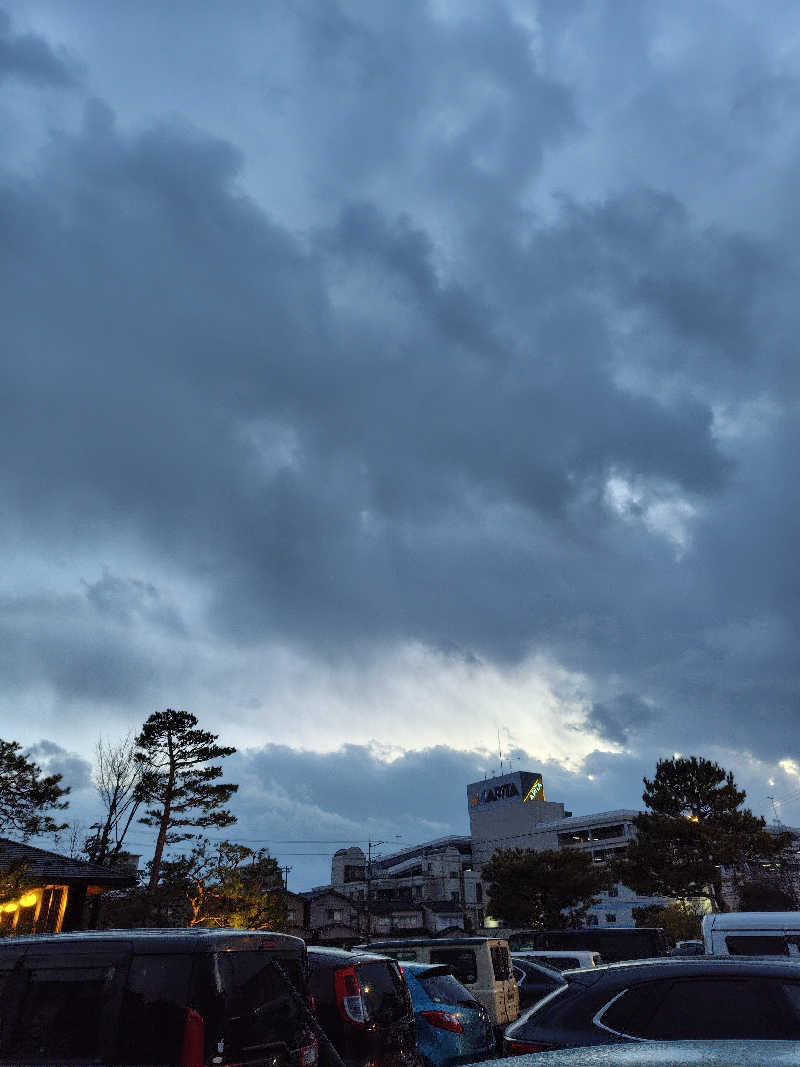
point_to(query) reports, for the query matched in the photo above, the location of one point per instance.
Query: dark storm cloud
(616, 720)
(85, 647)
(459, 407)
(27, 57)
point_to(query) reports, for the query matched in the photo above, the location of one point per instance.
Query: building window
(478, 893)
(330, 914)
(454, 897)
(337, 916)
(291, 915)
(455, 874)
(610, 917)
(613, 891)
(591, 920)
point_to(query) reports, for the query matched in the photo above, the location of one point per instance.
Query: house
(55, 889)
(332, 919)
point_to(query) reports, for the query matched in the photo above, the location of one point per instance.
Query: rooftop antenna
(499, 750)
(776, 818)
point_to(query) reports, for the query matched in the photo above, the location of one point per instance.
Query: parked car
(452, 1027)
(691, 947)
(364, 1006)
(561, 960)
(613, 943)
(752, 933)
(482, 964)
(667, 1054)
(697, 997)
(156, 997)
(534, 980)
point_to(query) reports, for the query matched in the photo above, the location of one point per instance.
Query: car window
(445, 989)
(501, 963)
(59, 1015)
(405, 955)
(625, 1013)
(153, 1010)
(758, 945)
(258, 1005)
(713, 1009)
(462, 960)
(384, 990)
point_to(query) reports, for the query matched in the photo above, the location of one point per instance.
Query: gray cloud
(471, 330)
(29, 58)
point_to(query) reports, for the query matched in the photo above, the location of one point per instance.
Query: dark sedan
(711, 998)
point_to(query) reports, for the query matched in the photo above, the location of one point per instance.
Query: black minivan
(364, 1006)
(192, 998)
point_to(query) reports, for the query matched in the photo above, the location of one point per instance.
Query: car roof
(666, 1053)
(196, 939)
(416, 942)
(752, 920)
(686, 965)
(431, 969)
(557, 952)
(343, 956)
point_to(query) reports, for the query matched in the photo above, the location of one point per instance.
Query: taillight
(348, 995)
(309, 1055)
(445, 1020)
(193, 1052)
(517, 1048)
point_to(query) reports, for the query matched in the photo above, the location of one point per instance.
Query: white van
(752, 933)
(561, 960)
(482, 964)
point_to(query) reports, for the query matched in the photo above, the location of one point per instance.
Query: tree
(681, 918)
(122, 782)
(766, 894)
(28, 798)
(216, 884)
(695, 825)
(183, 791)
(226, 884)
(543, 889)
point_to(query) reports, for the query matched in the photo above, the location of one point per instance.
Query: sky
(399, 388)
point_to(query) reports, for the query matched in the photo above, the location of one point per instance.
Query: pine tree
(695, 825)
(27, 797)
(182, 788)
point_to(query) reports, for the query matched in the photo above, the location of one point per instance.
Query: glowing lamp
(28, 900)
(10, 908)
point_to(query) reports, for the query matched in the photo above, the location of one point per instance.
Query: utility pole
(370, 845)
(285, 877)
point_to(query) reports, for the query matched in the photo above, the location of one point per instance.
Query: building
(505, 811)
(56, 889)
(441, 878)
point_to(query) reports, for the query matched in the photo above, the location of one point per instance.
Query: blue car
(452, 1027)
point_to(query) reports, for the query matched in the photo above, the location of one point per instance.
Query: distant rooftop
(54, 869)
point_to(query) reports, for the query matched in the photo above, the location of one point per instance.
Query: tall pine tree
(182, 781)
(695, 825)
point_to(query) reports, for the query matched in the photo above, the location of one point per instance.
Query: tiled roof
(51, 868)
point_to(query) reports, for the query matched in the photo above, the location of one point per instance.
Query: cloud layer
(401, 374)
